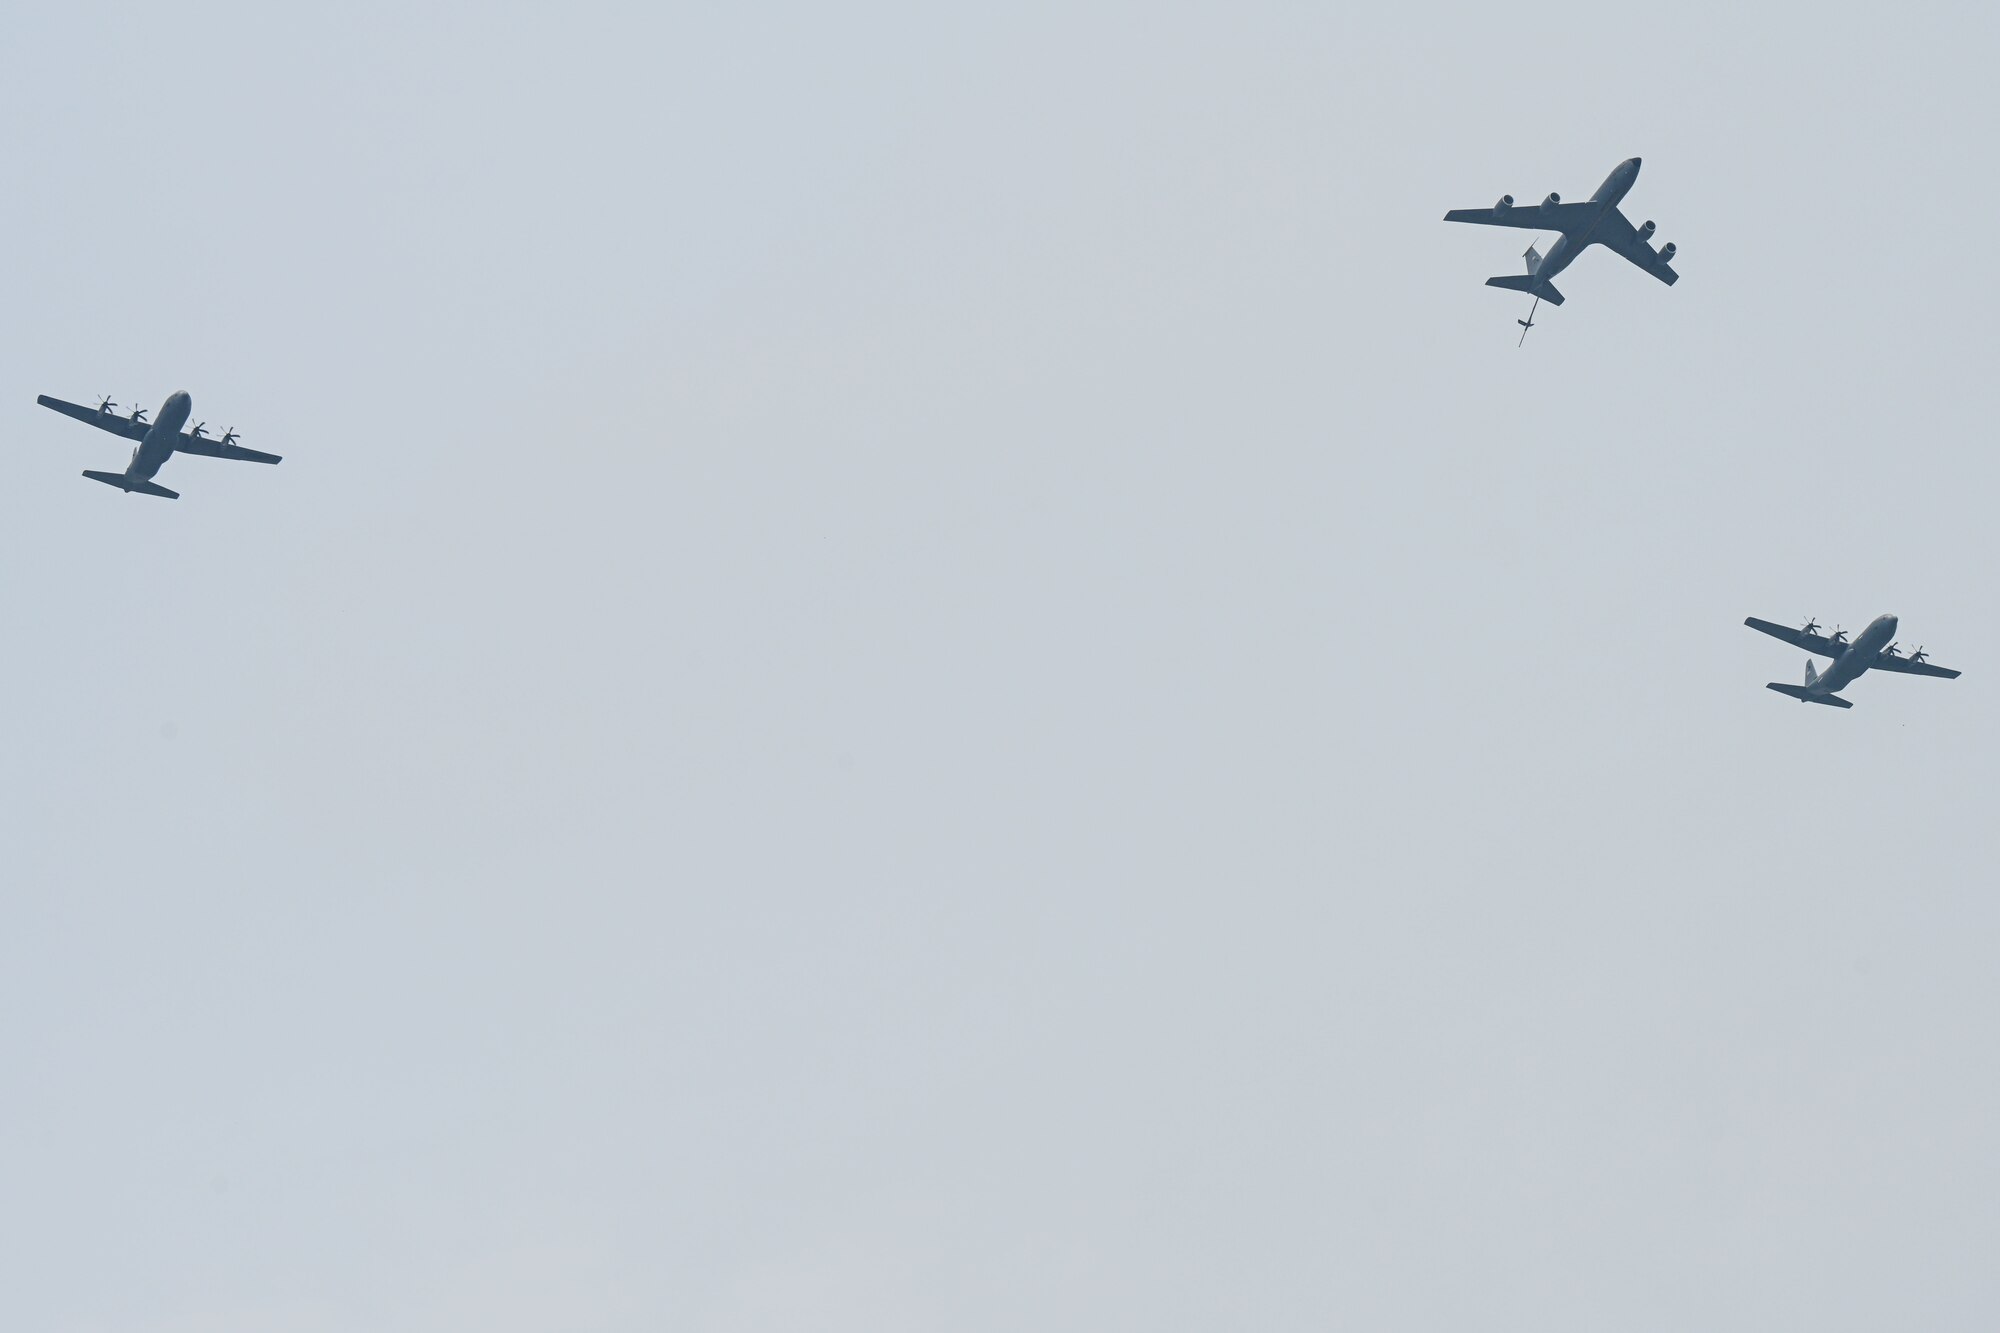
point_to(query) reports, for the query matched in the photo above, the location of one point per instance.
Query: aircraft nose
(1633, 163)
(179, 396)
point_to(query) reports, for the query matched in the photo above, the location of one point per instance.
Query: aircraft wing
(1798, 638)
(117, 425)
(1884, 662)
(1528, 217)
(207, 448)
(1619, 235)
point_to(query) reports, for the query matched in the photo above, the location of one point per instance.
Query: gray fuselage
(1573, 243)
(158, 446)
(1860, 655)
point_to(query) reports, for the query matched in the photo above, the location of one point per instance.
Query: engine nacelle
(1646, 230)
(1506, 202)
(1667, 252)
(1552, 200)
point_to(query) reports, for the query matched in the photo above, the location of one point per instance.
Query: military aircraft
(1582, 225)
(157, 441)
(1875, 650)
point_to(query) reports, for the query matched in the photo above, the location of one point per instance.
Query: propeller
(139, 415)
(1812, 627)
(1890, 651)
(1919, 655)
(229, 436)
(199, 430)
(107, 404)
(1839, 634)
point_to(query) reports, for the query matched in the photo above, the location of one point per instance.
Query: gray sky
(918, 670)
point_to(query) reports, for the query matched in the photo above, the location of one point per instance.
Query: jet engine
(1506, 202)
(1667, 252)
(1552, 200)
(1646, 230)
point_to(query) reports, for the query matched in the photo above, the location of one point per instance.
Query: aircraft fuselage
(158, 445)
(1573, 243)
(1859, 656)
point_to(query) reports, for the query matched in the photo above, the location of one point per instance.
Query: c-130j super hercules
(1874, 650)
(158, 441)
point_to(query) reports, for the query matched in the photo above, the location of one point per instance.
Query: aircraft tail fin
(1811, 674)
(1529, 283)
(131, 484)
(1534, 258)
(1805, 696)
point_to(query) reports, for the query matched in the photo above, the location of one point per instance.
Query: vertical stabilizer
(1534, 258)
(1812, 676)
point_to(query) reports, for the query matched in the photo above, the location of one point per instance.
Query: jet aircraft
(1875, 650)
(1597, 222)
(158, 441)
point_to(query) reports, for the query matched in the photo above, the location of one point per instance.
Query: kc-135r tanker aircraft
(1597, 222)
(158, 441)
(1875, 650)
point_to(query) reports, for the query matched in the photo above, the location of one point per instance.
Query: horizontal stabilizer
(131, 484)
(1805, 696)
(1529, 283)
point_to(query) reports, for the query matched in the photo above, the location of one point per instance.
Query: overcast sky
(917, 668)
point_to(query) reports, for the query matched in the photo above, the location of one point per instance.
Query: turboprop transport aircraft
(1875, 650)
(1597, 222)
(158, 441)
